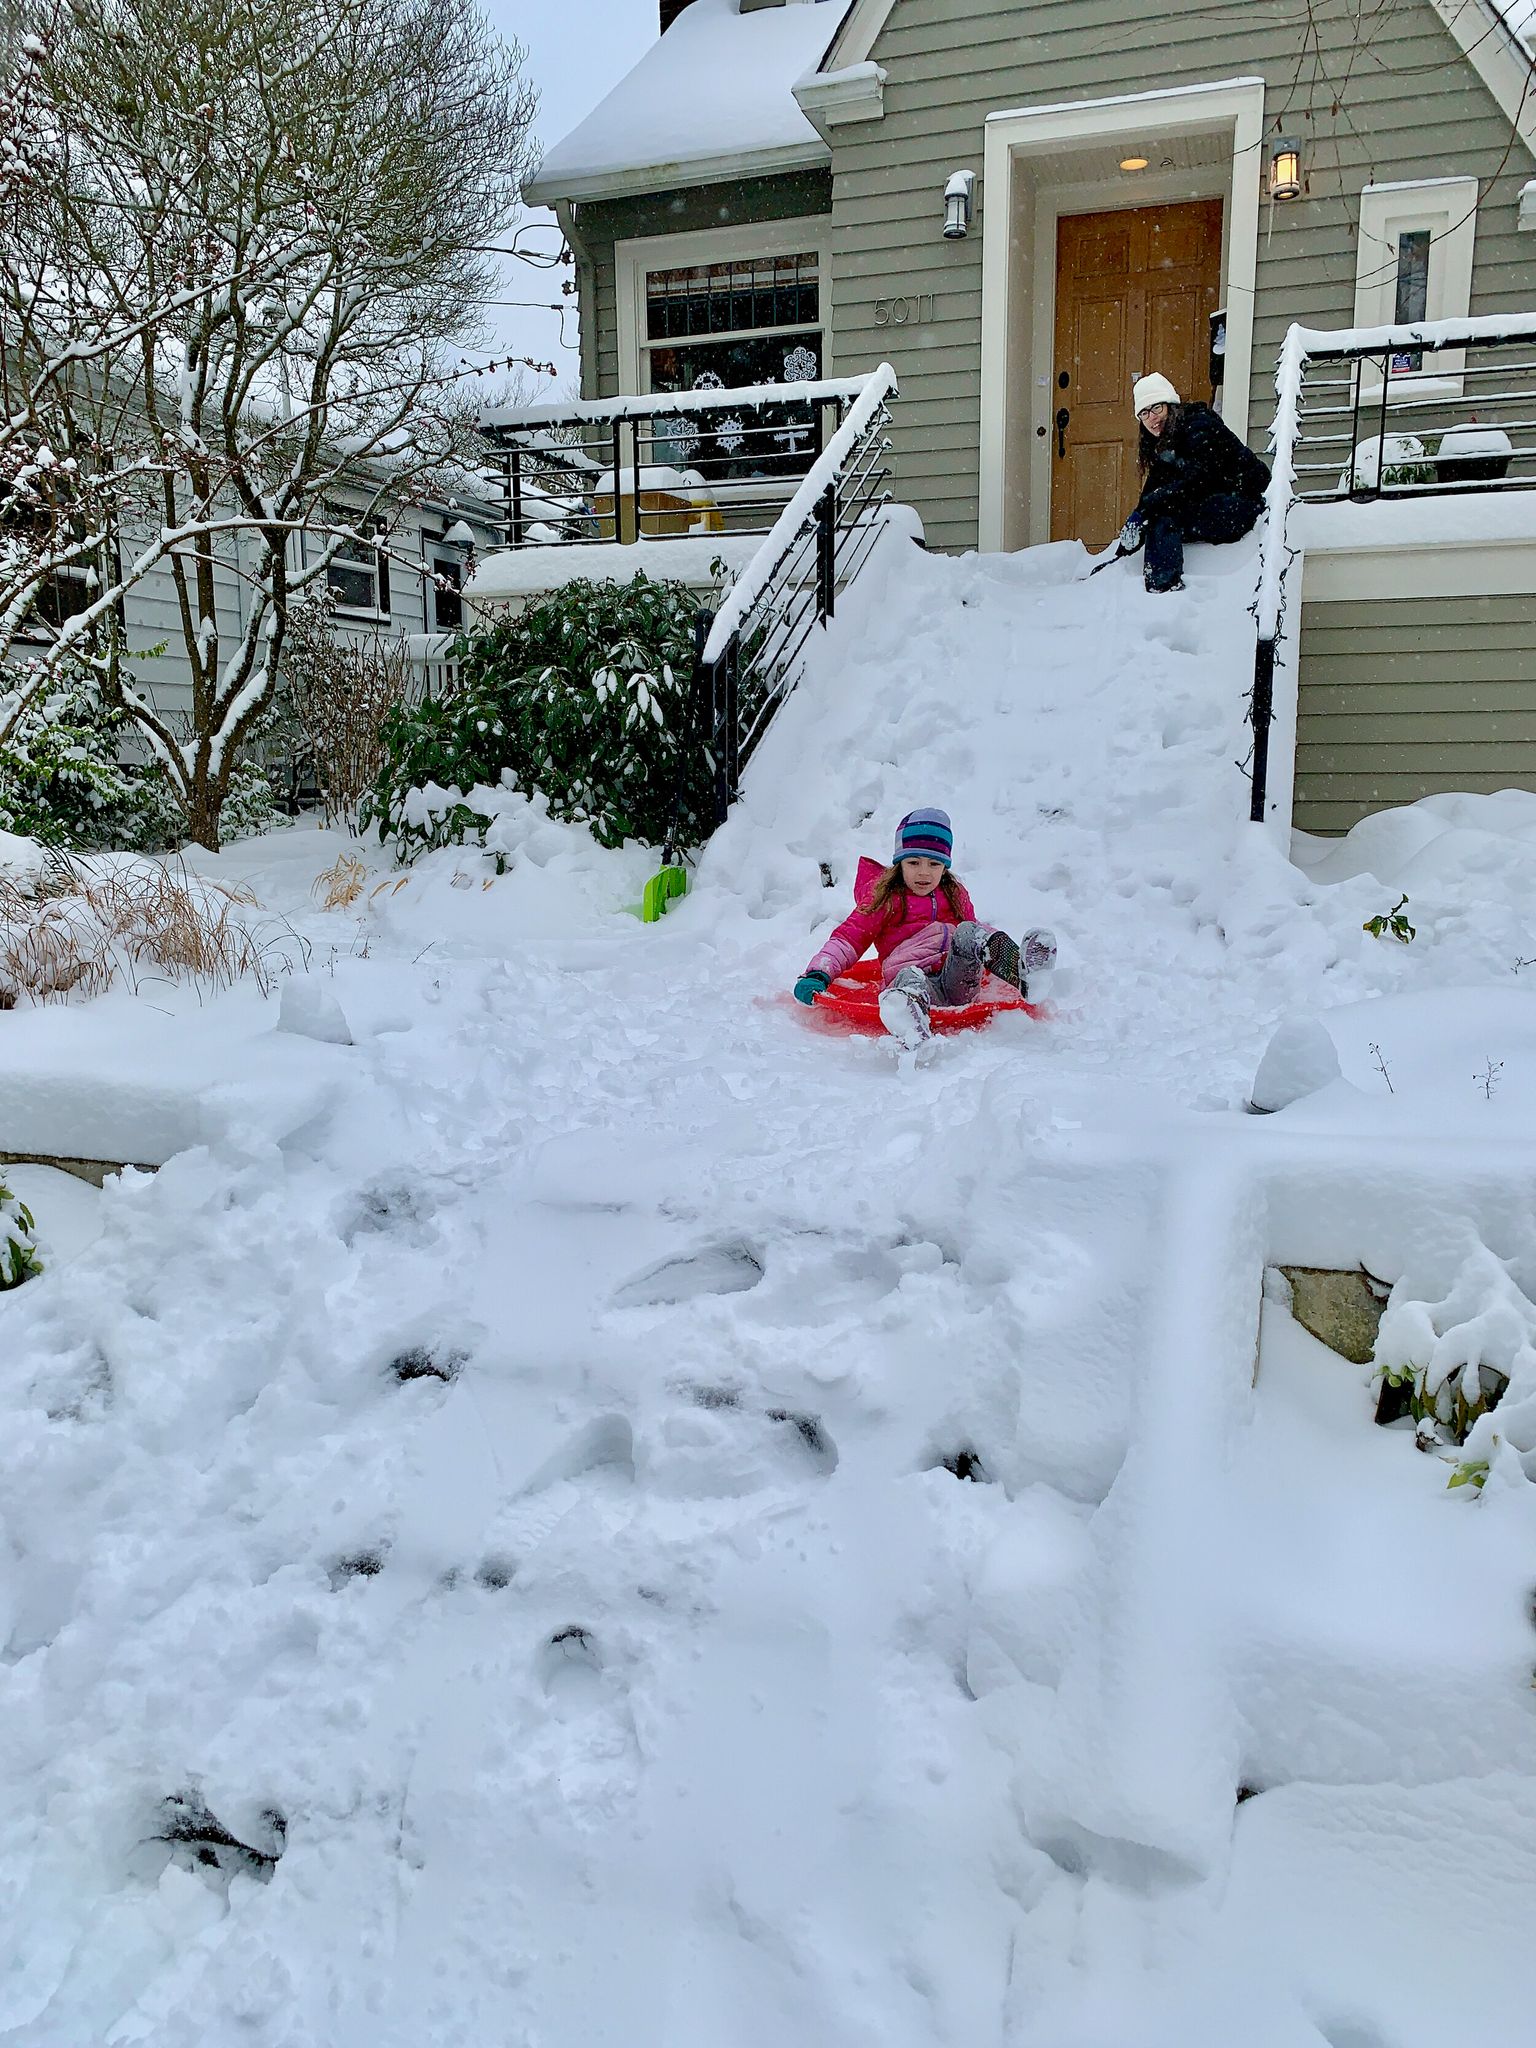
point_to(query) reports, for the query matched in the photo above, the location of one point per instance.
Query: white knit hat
(1153, 389)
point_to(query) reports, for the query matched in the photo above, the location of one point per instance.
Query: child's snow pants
(943, 963)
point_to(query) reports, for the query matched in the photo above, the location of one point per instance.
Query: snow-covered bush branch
(238, 240)
(583, 697)
(335, 699)
(18, 1246)
(1468, 1360)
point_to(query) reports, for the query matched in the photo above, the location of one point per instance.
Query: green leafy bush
(584, 696)
(64, 783)
(18, 1247)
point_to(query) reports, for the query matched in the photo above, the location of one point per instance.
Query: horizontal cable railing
(1427, 411)
(667, 465)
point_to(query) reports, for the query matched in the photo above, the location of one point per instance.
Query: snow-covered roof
(713, 99)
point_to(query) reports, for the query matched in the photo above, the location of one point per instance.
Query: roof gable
(1479, 27)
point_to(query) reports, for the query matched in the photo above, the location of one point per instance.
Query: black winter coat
(1198, 456)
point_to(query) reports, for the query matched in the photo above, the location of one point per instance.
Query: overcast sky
(577, 50)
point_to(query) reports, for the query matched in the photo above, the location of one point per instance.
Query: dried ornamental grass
(81, 926)
(340, 885)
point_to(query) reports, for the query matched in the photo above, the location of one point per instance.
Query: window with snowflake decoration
(722, 326)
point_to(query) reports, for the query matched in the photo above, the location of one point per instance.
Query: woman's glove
(1132, 535)
(809, 987)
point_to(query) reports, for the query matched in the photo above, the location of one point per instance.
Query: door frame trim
(1235, 106)
(1053, 204)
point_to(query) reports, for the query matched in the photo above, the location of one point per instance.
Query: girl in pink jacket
(922, 923)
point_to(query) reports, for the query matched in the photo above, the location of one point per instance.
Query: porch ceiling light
(1133, 163)
(1284, 168)
(959, 198)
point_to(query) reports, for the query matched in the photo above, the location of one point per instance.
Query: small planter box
(1473, 455)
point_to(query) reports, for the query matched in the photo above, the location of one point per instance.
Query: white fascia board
(679, 173)
(1082, 117)
(1498, 57)
(834, 99)
(857, 36)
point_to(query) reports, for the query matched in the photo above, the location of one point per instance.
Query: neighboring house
(394, 590)
(1170, 191)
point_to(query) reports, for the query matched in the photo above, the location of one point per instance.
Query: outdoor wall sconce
(1284, 168)
(959, 198)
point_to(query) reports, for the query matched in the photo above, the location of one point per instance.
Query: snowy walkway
(650, 1677)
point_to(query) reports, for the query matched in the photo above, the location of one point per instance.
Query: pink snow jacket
(903, 918)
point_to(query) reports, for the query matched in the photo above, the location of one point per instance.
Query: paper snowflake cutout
(732, 433)
(800, 366)
(682, 433)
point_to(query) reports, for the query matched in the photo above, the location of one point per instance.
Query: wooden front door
(1134, 292)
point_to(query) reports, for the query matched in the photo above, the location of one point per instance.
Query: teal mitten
(809, 987)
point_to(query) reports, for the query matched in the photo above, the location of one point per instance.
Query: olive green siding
(1403, 697)
(1375, 95)
(602, 223)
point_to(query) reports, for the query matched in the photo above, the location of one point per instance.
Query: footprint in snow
(715, 1269)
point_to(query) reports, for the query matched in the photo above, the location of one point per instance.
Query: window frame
(381, 612)
(1447, 208)
(439, 557)
(634, 260)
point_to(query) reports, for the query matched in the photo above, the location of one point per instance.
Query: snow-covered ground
(517, 1448)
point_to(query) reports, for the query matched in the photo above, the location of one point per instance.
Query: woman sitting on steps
(1199, 482)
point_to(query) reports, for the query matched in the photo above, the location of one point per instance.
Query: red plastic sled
(852, 1003)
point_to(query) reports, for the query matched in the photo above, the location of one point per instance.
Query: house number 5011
(910, 312)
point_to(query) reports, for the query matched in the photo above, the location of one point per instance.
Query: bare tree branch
(239, 240)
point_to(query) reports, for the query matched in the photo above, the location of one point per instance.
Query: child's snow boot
(904, 1008)
(1021, 964)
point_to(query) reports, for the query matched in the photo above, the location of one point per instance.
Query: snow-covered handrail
(1419, 396)
(1304, 346)
(744, 594)
(663, 404)
(1282, 479)
(1343, 342)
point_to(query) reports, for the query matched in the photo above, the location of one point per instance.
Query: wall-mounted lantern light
(959, 198)
(1284, 168)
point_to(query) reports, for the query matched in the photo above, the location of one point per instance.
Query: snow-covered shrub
(1388, 459)
(18, 1247)
(332, 704)
(583, 697)
(1467, 1362)
(251, 805)
(63, 782)
(79, 925)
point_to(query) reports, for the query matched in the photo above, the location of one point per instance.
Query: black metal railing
(1434, 410)
(754, 651)
(662, 466)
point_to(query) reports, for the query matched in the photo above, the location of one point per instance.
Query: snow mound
(615, 1516)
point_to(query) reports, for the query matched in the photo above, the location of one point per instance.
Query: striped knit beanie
(926, 834)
